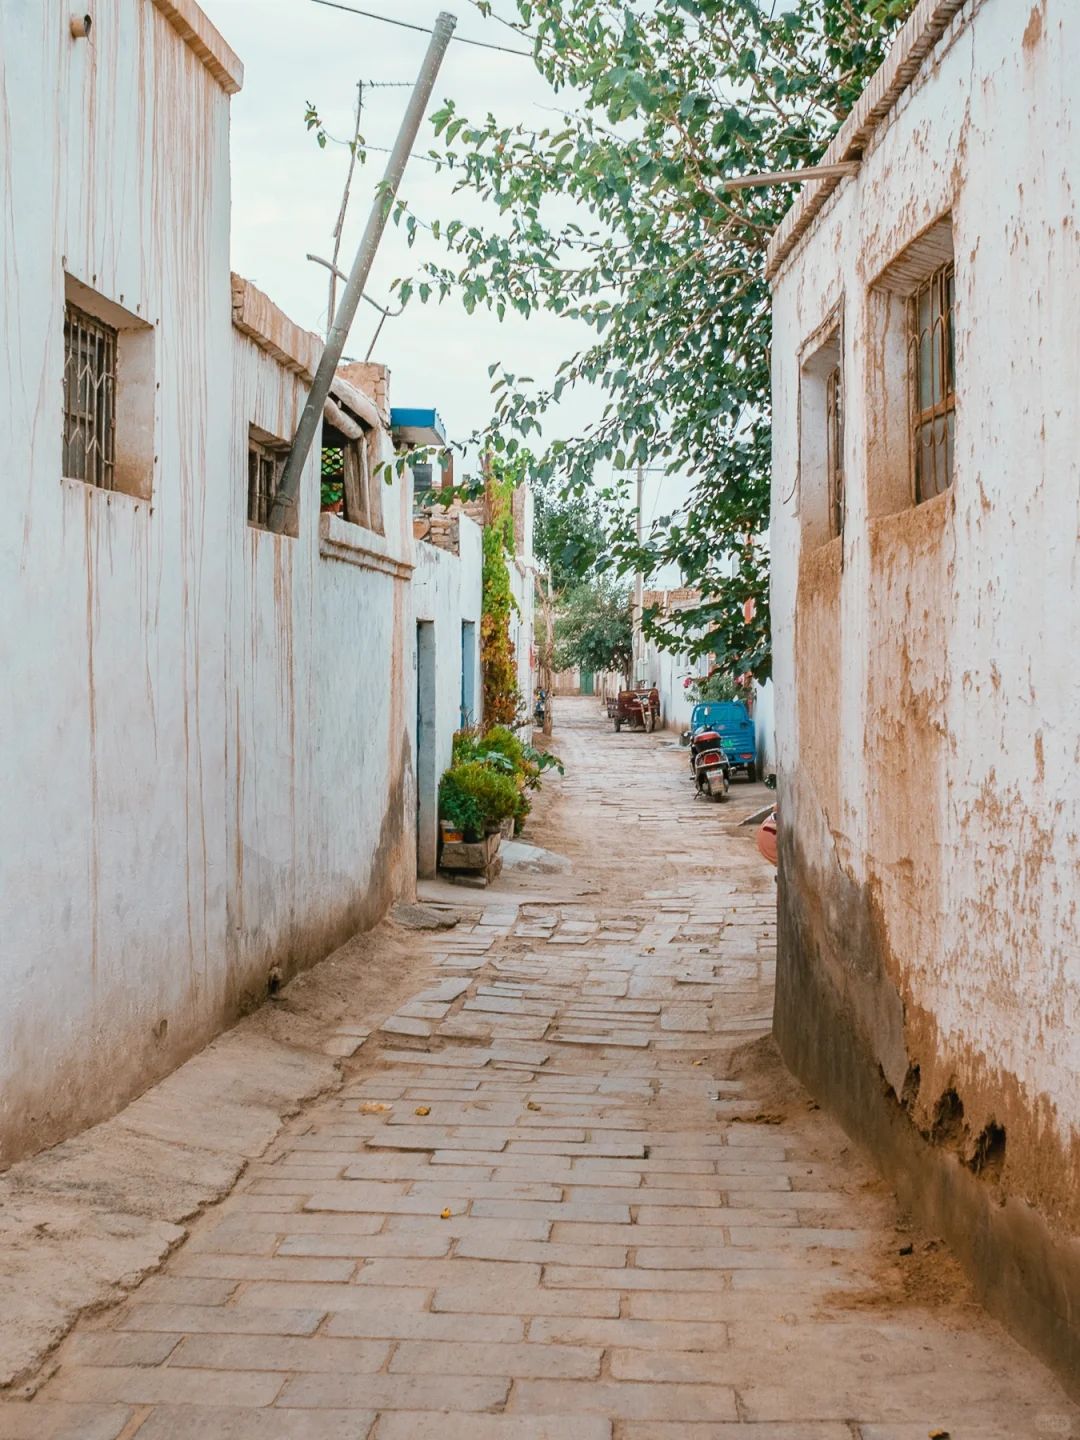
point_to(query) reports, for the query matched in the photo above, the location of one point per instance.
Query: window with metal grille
(834, 426)
(349, 488)
(89, 441)
(933, 382)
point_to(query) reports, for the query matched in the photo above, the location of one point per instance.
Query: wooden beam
(792, 177)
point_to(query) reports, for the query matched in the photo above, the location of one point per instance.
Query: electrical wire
(423, 29)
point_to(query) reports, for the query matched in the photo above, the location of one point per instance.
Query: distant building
(926, 600)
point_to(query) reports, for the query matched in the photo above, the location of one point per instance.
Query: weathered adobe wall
(928, 719)
(112, 834)
(446, 590)
(319, 698)
(205, 731)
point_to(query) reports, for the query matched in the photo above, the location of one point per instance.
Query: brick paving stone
(396, 1392)
(493, 1427)
(175, 1290)
(210, 1320)
(629, 1334)
(560, 1362)
(271, 1294)
(383, 1321)
(109, 1347)
(280, 1353)
(625, 1400)
(190, 1423)
(247, 1267)
(19, 1421)
(468, 1298)
(548, 1253)
(661, 1430)
(393, 1245)
(143, 1385)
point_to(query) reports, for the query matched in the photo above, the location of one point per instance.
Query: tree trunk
(547, 652)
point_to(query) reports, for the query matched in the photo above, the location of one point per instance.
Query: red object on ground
(766, 838)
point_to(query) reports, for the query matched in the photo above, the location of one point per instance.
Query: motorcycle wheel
(618, 726)
(650, 721)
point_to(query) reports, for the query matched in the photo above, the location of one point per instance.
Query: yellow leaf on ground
(445, 1214)
(373, 1107)
(422, 1110)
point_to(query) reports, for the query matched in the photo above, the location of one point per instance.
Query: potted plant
(461, 819)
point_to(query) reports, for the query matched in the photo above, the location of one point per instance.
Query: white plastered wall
(447, 590)
(205, 761)
(989, 133)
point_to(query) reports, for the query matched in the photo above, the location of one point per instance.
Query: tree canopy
(594, 630)
(662, 101)
(569, 535)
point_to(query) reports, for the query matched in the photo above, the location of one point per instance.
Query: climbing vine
(497, 658)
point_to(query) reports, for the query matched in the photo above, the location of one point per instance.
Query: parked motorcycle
(709, 765)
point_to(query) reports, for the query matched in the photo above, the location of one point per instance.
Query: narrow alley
(566, 1190)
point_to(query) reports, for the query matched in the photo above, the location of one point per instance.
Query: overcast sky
(286, 192)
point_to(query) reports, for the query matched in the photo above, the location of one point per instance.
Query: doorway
(427, 780)
(468, 673)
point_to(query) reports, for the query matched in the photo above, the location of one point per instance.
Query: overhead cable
(423, 29)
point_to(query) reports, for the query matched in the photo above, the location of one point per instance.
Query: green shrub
(495, 793)
(459, 808)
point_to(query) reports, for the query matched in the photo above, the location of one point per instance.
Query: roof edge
(200, 35)
(255, 315)
(921, 31)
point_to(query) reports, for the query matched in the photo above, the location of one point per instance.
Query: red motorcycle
(709, 765)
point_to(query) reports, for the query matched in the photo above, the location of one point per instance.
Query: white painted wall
(206, 764)
(320, 702)
(112, 828)
(954, 629)
(447, 589)
(668, 670)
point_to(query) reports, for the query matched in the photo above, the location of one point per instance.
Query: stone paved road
(539, 1210)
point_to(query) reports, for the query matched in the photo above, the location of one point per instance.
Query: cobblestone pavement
(540, 1209)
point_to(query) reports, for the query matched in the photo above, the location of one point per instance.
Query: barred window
(266, 461)
(349, 488)
(933, 382)
(89, 440)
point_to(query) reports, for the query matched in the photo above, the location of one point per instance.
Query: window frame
(820, 474)
(834, 440)
(936, 419)
(89, 410)
(361, 499)
(267, 453)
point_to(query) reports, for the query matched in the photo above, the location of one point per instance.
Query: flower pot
(450, 833)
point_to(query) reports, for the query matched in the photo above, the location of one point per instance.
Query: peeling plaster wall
(928, 713)
(206, 765)
(112, 836)
(447, 589)
(319, 699)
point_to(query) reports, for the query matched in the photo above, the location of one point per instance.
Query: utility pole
(639, 582)
(311, 420)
